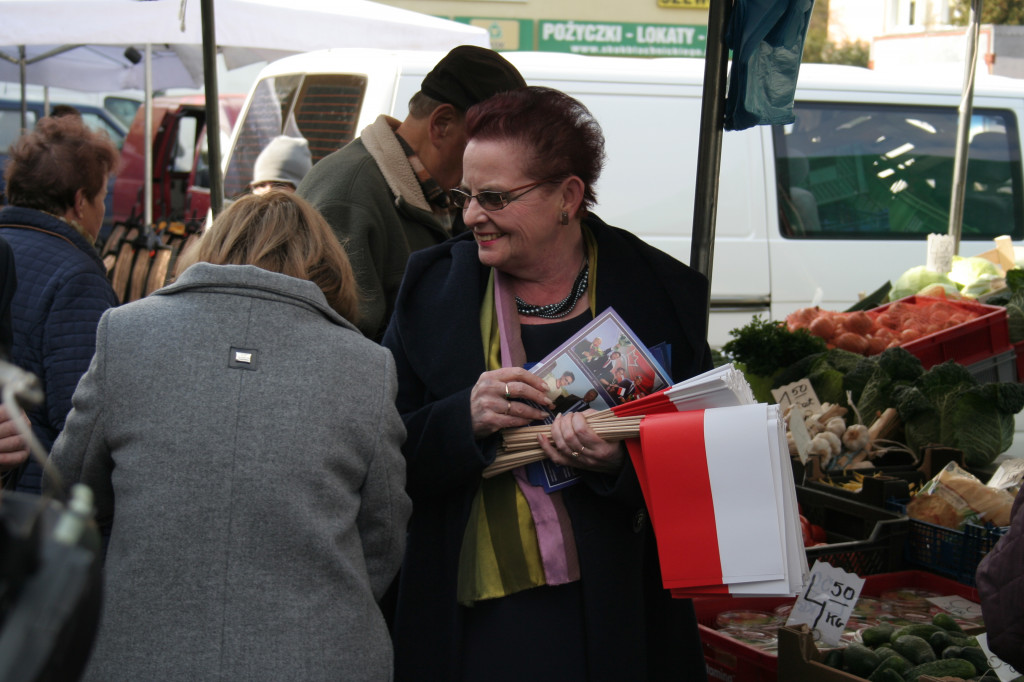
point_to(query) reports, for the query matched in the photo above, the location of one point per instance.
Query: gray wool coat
(243, 445)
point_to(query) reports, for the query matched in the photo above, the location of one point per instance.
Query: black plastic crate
(876, 490)
(948, 551)
(862, 539)
(1001, 367)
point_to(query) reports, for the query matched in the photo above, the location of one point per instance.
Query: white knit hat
(285, 159)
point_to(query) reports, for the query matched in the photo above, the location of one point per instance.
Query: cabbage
(917, 278)
(948, 406)
(968, 270)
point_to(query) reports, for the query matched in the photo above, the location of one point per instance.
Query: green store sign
(610, 38)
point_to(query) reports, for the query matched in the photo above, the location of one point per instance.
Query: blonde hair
(280, 232)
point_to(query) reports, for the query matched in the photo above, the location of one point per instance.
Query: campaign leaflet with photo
(602, 365)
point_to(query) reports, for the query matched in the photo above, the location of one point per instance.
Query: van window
(867, 171)
(322, 108)
(97, 122)
(10, 126)
(123, 108)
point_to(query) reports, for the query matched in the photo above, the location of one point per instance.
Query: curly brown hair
(62, 155)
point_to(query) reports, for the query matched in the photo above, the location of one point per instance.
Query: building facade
(641, 28)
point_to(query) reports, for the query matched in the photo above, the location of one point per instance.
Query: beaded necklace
(553, 311)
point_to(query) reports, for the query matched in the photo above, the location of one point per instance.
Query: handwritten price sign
(827, 602)
(799, 393)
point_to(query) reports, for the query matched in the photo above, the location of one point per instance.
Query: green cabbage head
(917, 278)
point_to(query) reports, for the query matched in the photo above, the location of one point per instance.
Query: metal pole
(212, 107)
(956, 199)
(709, 151)
(147, 193)
(24, 77)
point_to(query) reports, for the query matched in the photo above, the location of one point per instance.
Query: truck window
(323, 108)
(868, 171)
(183, 153)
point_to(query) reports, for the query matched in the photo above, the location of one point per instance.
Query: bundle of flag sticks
(519, 446)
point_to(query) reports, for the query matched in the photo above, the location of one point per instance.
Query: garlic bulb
(836, 425)
(856, 438)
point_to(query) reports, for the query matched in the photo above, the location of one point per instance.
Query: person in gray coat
(241, 439)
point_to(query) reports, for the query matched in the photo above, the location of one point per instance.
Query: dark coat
(634, 630)
(369, 195)
(62, 292)
(8, 285)
(1000, 580)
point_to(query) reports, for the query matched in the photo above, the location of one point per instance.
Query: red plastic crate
(730, 659)
(727, 658)
(967, 343)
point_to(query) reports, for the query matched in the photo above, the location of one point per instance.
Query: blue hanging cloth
(767, 42)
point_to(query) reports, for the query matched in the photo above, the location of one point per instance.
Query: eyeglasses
(494, 201)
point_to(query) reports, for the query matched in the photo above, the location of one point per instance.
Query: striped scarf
(518, 536)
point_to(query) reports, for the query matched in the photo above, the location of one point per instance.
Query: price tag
(959, 607)
(799, 393)
(1001, 668)
(827, 602)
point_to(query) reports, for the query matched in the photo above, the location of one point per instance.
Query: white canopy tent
(79, 44)
(102, 45)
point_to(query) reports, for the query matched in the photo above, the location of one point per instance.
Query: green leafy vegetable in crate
(945, 405)
(762, 347)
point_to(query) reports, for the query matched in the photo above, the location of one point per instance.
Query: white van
(810, 213)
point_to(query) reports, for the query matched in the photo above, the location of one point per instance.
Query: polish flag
(722, 500)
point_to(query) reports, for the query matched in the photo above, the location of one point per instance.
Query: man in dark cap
(385, 194)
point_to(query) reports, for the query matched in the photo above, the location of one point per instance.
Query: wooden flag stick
(519, 446)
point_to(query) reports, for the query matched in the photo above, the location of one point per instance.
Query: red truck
(181, 190)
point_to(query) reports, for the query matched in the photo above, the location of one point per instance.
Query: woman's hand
(13, 448)
(494, 401)
(573, 443)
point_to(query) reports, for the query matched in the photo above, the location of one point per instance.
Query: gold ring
(575, 454)
(508, 407)
(508, 396)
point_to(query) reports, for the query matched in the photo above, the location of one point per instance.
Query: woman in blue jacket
(56, 185)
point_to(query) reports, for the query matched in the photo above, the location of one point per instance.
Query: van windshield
(847, 171)
(322, 108)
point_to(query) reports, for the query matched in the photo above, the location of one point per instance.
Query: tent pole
(963, 130)
(147, 201)
(709, 151)
(212, 107)
(24, 77)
